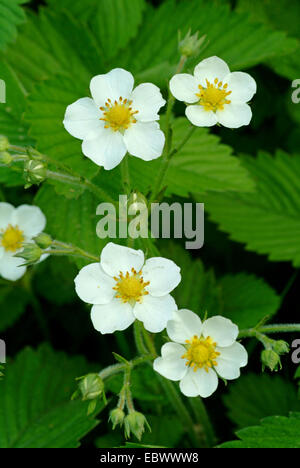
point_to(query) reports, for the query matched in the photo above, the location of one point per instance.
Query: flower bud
(116, 417)
(43, 240)
(281, 347)
(91, 386)
(135, 422)
(190, 45)
(5, 158)
(271, 359)
(4, 143)
(31, 253)
(35, 171)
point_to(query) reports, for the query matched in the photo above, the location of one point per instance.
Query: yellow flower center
(214, 96)
(130, 287)
(201, 353)
(12, 238)
(118, 115)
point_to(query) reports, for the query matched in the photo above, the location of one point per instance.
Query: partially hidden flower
(214, 95)
(124, 287)
(118, 119)
(18, 226)
(200, 353)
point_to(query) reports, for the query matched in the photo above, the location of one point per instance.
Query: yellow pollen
(118, 115)
(12, 238)
(201, 353)
(130, 287)
(214, 96)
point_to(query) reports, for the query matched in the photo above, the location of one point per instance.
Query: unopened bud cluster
(270, 357)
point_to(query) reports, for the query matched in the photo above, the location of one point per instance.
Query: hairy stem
(270, 329)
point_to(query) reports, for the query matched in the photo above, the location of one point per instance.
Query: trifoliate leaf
(35, 406)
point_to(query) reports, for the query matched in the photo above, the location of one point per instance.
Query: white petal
(10, 267)
(242, 87)
(115, 316)
(200, 117)
(113, 85)
(144, 140)
(93, 285)
(82, 118)
(107, 149)
(235, 115)
(230, 360)
(200, 383)
(155, 312)
(30, 219)
(147, 100)
(221, 330)
(211, 68)
(184, 325)
(170, 364)
(184, 87)
(118, 258)
(6, 211)
(163, 274)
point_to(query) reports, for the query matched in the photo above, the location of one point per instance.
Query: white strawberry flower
(17, 227)
(124, 287)
(200, 352)
(118, 119)
(215, 95)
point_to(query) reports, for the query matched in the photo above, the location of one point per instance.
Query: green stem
(126, 386)
(126, 175)
(150, 342)
(179, 407)
(205, 427)
(68, 177)
(117, 368)
(138, 337)
(40, 318)
(288, 286)
(77, 181)
(270, 329)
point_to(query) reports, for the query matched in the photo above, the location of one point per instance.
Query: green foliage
(13, 302)
(11, 16)
(71, 221)
(203, 164)
(254, 397)
(274, 432)
(243, 298)
(267, 221)
(281, 15)
(35, 406)
(248, 299)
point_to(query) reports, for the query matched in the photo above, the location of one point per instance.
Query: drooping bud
(43, 240)
(135, 423)
(190, 45)
(35, 171)
(271, 360)
(116, 417)
(91, 386)
(281, 347)
(31, 254)
(4, 143)
(5, 158)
